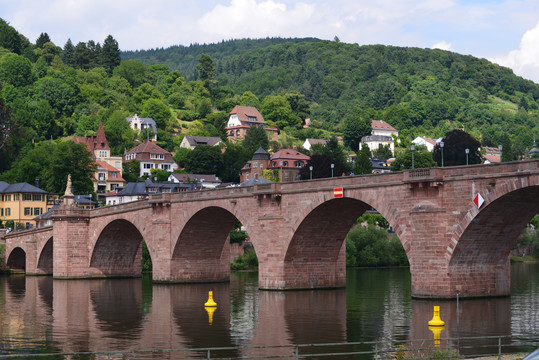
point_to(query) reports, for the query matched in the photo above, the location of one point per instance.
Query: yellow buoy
(436, 321)
(210, 302)
(436, 330)
(210, 310)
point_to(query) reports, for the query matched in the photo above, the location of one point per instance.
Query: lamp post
(442, 147)
(500, 147)
(281, 176)
(332, 166)
(311, 171)
(467, 152)
(412, 148)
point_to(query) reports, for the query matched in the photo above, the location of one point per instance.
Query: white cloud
(525, 60)
(442, 45)
(254, 19)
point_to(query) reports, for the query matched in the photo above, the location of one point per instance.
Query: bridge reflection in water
(45, 315)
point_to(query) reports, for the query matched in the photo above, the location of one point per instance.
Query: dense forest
(50, 93)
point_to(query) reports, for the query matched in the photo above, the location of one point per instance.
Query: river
(42, 315)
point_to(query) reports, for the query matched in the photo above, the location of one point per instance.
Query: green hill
(419, 91)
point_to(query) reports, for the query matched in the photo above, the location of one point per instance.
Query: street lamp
(311, 171)
(442, 147)
(281, 164)
(500, 147)
(412, 148)
(467, 152)
(332, 166)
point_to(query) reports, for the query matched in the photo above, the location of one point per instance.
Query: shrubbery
(247, 261)
(370, 246)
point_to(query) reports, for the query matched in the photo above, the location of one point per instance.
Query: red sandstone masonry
(298, 230)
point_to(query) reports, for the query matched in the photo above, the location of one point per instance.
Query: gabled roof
(382, 125)
(289, 154)
(317, 141)
(248, 114)
(6, 188)
(104, 166)
(255, 180)
(492, 158)
(97, 142)
(202, 140)
(148, 147)
(149, 122)
(199, 177)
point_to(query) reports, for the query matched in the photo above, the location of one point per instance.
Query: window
(237, 133)
(166, 166)
(101, 177)
(251, 118)
(113, 175)
(26, 197)
(285, 163)
(102, 153)
(27, 211)
(36, 197)
(37, 211)
(16, 197)
(7, 211)
(113, 186)
(299, 163)
(118, 165)
(7, 197)
(231, 133)
(2, 212)
(148, 166)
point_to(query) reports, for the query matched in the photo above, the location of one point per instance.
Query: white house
(380, 127)
(426, 141)
(308, 144)
(146, 125)
(151, 157)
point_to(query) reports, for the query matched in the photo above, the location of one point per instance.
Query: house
(135, 191)
(208, 181)
(427, 142)
(289, 163)
(374, 142)
(151, 156)
(492, 155)
(241, 118)
(191, 142)
(106, 178)
(144, 125)
(380, 127)
(308, 144)
(22, 202)
(98, 146)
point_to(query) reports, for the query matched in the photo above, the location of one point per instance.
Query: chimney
(36, 182)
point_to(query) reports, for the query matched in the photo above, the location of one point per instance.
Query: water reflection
(41, 314)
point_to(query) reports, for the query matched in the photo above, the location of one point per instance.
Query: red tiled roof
(493, 158)
(97, 142)
(382, 125)
(103, 165)
(429, 140)
(317, 141)
(144, 150)
(246, 113)
(289, 154)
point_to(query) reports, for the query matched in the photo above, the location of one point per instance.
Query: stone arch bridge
(298, 230)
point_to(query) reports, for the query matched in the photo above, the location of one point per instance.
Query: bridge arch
(315, 255)
(486, 237)
(117, 250)
(45, 260)
(202, 249)
(17, 259)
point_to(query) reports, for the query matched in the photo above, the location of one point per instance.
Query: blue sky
(503, 31)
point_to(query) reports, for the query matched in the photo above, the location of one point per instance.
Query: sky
(503, 31)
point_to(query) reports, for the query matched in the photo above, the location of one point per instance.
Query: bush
(370, 246)
(146, 259)
(247, 261)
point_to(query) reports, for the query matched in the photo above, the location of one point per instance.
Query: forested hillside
(418, 91)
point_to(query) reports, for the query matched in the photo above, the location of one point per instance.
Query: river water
(42, 315)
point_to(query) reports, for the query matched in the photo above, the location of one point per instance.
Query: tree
(68, 53)
(157, 110)
(277, 109)
(354, 129)
(16, 70)
(206, 70)
(82, 56)
(7, 125)
(10, 38)
(322, 167)
(363, 163)
(299, 105)
(332, 148)
(455, 144)
(255, 137)
(507, 149)
(131, 170)
(204, 159)
(234, 158)
(422, 158)
(42, 39)
(110, 54)
(131, 70)
(383, 152)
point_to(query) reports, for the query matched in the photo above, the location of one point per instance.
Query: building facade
(241, 118)
(147, 126)
(191, 142)
(151, 156)
(22, 202)
(287, 164)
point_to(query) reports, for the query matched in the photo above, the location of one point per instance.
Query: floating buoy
(210, 302)
(436, 321)
(210, 310)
